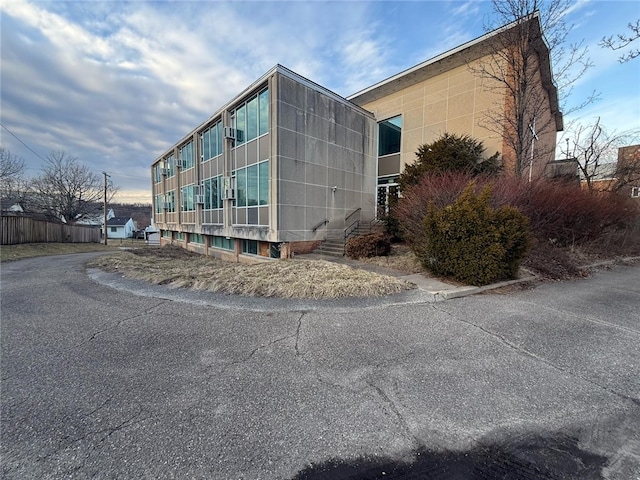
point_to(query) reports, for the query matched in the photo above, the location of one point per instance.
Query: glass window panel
(219, 194)
(241, 124)
(389, 136)
(220, 142)
(252, 185)
(241, 183)
(207, 194)
(252, 119)
(264, 112)
(213, 138)
(205, 145)
(171, 166)
(263, 176)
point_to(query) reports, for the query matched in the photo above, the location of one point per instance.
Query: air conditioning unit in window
(229, 194)
(165, 205)
(179, 163)
(230, 133)
(163, 171)
(200, 199)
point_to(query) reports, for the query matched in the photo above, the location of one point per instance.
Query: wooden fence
(14, 230)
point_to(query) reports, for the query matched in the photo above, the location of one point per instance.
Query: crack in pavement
(296, 347)
(587, 318)
(534, 356)
(120, 322)
(400, 420)
(129, 422)
(91, 337)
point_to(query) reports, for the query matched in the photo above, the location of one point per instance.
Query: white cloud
(118, 83)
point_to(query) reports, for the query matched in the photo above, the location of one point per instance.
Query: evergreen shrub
(472, 242)
(369, 245)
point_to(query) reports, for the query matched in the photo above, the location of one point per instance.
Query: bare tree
(67, 189)
(11, 173)
(517, 64)
(621, 41)
(595, 151)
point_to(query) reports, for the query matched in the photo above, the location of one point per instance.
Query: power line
(27, 146)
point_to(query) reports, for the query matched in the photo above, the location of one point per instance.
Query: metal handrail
(351, 228)
(321, 224)
(351, 214)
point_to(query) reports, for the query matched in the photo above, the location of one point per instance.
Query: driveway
(143, 382)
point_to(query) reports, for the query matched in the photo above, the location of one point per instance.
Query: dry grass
(29, 250)
(316, 279)
(401, 258)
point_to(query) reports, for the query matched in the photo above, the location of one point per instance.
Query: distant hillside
(139, 212)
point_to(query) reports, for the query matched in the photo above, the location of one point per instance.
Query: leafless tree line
(66, 190)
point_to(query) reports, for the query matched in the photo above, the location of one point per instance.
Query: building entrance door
(386, 198)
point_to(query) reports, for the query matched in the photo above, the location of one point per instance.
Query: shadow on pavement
(533, 457)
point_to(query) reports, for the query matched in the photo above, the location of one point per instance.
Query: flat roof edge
(255, 84)
(442, 56)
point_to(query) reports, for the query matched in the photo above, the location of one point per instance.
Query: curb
(466, 291)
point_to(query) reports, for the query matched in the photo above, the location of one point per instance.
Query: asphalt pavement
(103, 377)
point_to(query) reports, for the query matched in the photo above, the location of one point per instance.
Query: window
(241, 185)
(179, 236)
(114, 229)
(389, 136)
(186, 155)
(170, 165)
(264, 112)
(212, 142)
(166, 233)
(252, 191)
(263, 183)
(170, 200)
(213, 193)
(635, 192)
(241, 124)
(187, 198)
(252, 118)
(157, 172)
(252, 185)
(196, 238)
(250, 246)
(225, 243)
(159, 203)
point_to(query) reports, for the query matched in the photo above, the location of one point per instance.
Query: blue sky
(117, 83)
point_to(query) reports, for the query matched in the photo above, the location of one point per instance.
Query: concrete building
(287, 163)
(283, 165)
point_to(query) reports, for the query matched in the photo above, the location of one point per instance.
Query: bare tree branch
(595, 151)
(518, 68)
(10, 165)
(67, 189)
(621, 41)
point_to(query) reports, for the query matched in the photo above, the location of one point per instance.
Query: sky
(116, 83)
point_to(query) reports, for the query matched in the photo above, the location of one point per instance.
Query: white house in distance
(120, 227)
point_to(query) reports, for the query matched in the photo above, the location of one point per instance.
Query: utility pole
(105, 206)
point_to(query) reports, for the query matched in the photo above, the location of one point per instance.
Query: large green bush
(449, 153)
(472, 242)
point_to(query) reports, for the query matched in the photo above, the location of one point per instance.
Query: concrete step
(331, 247)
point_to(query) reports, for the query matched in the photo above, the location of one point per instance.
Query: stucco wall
(454, 101)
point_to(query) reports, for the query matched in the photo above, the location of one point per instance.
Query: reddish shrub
(413, 206)
(370, 245)
(561, 213)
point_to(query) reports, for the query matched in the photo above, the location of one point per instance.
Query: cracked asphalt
(103, 377)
